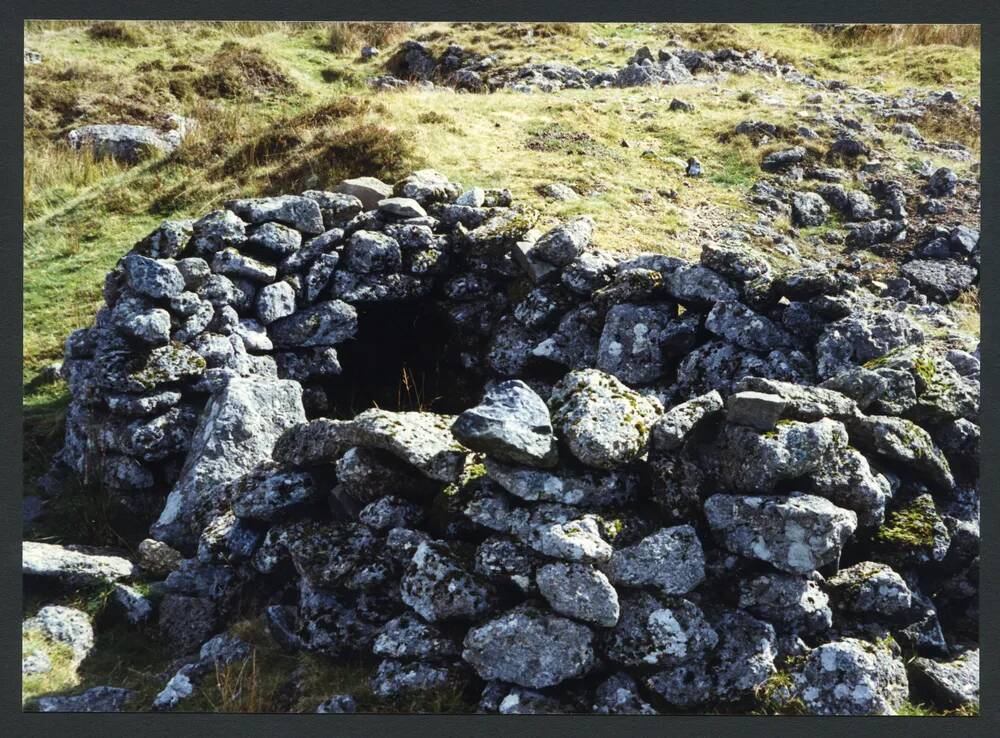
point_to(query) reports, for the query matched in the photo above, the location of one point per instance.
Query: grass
(60, 678)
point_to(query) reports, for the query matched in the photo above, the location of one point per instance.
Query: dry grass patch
(351, 36)
(241, 71)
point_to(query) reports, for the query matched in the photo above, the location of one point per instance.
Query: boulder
(369, 190)
(65, 625)
(73, 566)
(797, 534)
(663, 632)
(95, 699)
(237, 430)
(942, 280)
(851, 677)
(511, 424)
(678, 423)
(604, 423)
(630, 345)
(125, 143)
(579, 591)
(438, 587)
(671, 560)
(529, 647)
(950, 684)
(295, 211)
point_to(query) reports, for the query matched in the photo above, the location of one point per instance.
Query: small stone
(511, 424)
(579, 591)
(755, 410)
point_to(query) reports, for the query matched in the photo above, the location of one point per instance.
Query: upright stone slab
(237, 430)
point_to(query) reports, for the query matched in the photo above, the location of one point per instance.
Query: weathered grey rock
(136, 607)
(853, 204)
(670, 559)
(734, 262)
(427, 186)
(808, 209)
(73, 566)
(846, 479)
(216, 230)
(579, 591)
(851, 677)
(942, 280)
(583, 489)
(782, 159)
(339, 704)
(559, 191)
(870, 588)
(904, 442)
(697, 286)
(749, 461)
(158, 558)
(401, 207)
(570, 540)
(789, 602)
(272, 496)
(300, 213)
(421, 439)
(370, 252)
(510, 424)
(391, 512)
(394, 678)
(237, 430)
(65, 625)
(678, 423)
(368, 190)
(409, 637)
(875, 232)
(604, 423)
(740, 325)
(438, 587)
(630, 345)
(756, 410)
(95, 699)
(531, 648)
(861, 337)
(324, 324)
(745, 655)
(157, 279)
(942, 182)
(564, 243)
(950, 684)
(232, 263)
(662, 632)
(619, 695)
(797, 534)
(128, 144)
(686, 685)
(913, 535)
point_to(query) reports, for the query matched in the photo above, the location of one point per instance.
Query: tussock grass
(239, 71)
(117, 32)
(896, 35)
(349, 37)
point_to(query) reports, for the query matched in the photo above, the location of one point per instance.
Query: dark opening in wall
(401, 360)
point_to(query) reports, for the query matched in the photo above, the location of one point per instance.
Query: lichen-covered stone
(797, 534)
(604, 423)
(531, 648)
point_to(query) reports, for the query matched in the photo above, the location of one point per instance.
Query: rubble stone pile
(656, 484)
